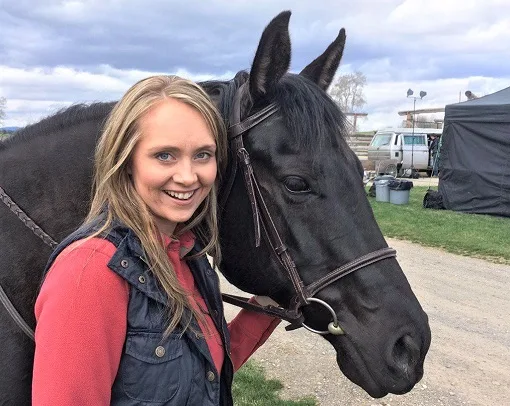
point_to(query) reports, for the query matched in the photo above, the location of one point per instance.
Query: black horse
(307, 176)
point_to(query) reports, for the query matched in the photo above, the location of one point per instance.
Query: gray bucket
(382, 191)
(399, 191)
(399, 196)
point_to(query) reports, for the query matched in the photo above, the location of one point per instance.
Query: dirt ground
(468, 303)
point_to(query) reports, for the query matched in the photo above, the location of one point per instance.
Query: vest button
(124, 263)
(141, 279)
(160, 351)
(210, 376)
(215, 313)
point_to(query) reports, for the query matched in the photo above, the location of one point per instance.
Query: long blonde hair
(114, 190)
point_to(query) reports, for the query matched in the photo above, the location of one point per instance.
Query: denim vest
(178, 370)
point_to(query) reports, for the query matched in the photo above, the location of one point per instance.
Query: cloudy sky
(55, 52)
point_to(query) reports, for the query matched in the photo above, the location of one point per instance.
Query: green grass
(474, 235)
(251, 388)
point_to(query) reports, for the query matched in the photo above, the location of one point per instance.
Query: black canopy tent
(474, 164)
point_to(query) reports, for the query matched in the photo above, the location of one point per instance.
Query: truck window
(380, 140)
(416, 139)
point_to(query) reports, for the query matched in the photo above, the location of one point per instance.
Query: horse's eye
(295, 184)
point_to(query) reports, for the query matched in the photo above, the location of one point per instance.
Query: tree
(347, 91)
(2, 109)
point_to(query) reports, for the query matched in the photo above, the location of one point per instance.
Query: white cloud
(35, 93)
(58, 52)
(386, 99)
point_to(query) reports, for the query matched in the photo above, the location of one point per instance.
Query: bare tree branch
(347, 91)
(3, 101)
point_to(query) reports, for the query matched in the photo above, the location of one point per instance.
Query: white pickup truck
(395, 151)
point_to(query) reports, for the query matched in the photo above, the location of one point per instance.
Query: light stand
(422, 95)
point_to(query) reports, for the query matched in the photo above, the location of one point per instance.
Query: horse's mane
(223, 92)
(313, 118)
(62, 119)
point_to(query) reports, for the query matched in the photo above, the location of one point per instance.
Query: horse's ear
(272, 58)
(322, 69)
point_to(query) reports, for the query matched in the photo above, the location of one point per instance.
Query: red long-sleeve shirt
(82, 323)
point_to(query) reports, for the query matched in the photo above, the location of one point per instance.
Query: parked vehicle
(395, 151)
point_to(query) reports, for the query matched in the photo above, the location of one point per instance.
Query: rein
(261, 216)
(27, 221)
(39, 232)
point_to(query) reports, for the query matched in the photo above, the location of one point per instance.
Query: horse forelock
(310, 115)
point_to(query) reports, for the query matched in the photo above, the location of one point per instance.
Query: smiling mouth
(180, 195)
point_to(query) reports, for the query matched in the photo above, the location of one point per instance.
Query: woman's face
(173, 165)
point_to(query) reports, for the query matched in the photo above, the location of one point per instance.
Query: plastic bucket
(382, 191)
(399, 191)
(399, 196)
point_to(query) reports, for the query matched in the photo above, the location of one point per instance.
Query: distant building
(418, 123)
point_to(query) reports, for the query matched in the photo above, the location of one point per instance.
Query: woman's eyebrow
(172, 148)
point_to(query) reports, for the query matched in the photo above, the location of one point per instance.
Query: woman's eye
(204, 155)
(164, 156)
(295, 184)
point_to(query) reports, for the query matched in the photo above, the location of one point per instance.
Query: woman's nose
(185, 173)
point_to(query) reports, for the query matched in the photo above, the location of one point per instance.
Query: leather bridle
(262, 220)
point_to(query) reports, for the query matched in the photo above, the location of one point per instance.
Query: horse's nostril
(405, 364)
(406, 356)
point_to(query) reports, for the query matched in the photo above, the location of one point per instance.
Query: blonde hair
(113, 189)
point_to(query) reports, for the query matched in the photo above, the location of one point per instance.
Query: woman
(130, 311)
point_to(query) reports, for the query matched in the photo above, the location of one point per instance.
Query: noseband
(262, 219)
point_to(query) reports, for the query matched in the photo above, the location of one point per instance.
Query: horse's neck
(49, 175)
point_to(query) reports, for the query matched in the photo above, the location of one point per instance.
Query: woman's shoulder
(87, 246)
(88, 254)
(81, 271)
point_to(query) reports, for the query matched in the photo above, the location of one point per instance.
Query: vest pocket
(150, 369)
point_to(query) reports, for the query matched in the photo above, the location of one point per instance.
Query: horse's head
(312, 184)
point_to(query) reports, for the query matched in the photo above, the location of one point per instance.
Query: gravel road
(468, 303)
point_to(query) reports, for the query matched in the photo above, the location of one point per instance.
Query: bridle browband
(262, 219)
